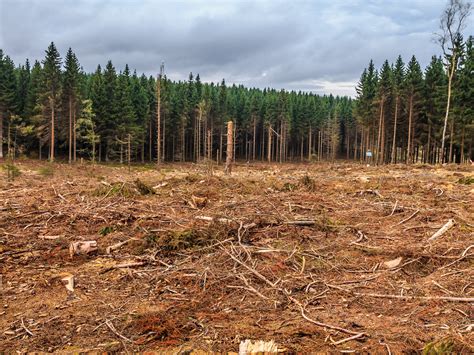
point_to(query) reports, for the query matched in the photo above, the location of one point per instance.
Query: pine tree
(51, 88)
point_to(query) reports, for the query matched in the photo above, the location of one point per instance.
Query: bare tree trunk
(462, 146)
(451, 138)
(150, 144)
(158, 120)
(428, 148)
(448, 103)
(51, 152)
(310, 137)
(74, 132)
(269, 146)
(220, 145)
(394, 143)
(209, 146)
(129, 153)
(254, 137)
(379, 133)
(70, 130)
(230, 148)
(410, 118)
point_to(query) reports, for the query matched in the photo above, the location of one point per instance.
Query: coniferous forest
(53, 109)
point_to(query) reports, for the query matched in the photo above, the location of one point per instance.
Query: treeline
(54, 109)
(401, 109)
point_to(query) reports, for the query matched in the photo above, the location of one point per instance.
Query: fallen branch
(425, 298)
(449, 224)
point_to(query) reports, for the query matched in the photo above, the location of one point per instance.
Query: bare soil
(282, 252)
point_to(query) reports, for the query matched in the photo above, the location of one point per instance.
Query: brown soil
(195, 286)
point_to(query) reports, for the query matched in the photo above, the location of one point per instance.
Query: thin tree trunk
(51, 153)
(448, 102)
(394, 143)
(158, 120)
(70, 130)
(254, 137)
(230, 148)
(269, 146)
(310, 137)
(410, 117)
(74, 132)
(451, 138)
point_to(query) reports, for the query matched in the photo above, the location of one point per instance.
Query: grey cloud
(319, 46)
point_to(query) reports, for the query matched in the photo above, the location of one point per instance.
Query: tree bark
(269, 145)
(410, 118)
(51, 152)
(448, 102)
(158, 120)
(230, 148)
(70, 130)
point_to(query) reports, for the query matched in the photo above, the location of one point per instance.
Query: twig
(394, 208)
(410, 217)
(325, 325)
(449, 224)
(357, 336)
(112, 328)
(25, 328)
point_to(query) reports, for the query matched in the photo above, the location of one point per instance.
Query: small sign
(368, 154)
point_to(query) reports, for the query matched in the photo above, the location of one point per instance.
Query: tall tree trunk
(254, 137)
(451, 139)
(448, 103)
(310, 137)
(74, 131)
(379, 133)
(428, 147)
(230, 148)
(394, 142)
(158, 121)
(462, 146)
(51, 152)
(70, 130)
(410, 118)
(269, 146)
(150, 144)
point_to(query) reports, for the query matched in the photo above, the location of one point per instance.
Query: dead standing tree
(158, 115)
(453, 21)
(230, 147)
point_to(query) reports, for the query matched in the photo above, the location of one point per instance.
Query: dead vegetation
(315, 257)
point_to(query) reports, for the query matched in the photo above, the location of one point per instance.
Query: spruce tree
(51, 89)
(413, 86)
(398, 79)
(70, 92)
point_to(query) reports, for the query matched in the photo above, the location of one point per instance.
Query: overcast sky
(319, 45)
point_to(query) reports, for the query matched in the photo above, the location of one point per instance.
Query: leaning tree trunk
(448, 102)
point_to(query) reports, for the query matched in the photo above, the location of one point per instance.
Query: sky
(320, 46)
